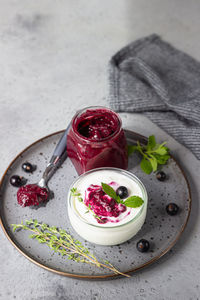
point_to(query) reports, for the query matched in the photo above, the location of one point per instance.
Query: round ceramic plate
(160, 229)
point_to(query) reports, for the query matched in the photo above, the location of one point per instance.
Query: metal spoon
(28, 195)
(58, 157)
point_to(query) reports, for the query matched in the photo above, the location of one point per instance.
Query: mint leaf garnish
(161, 151)
(146, 166)
(110, 192)
(153, 162)
(131, 149)
(133, 201)
(153, 154)
(151, 142)
(162, 159)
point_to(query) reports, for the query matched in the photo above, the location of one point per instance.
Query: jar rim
(127, 173)
(87, 140)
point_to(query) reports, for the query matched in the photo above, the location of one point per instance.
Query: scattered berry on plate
(17, 180)
(143, 245)
(172, 209)
(122, 192)
(161, 176)
(28, 167)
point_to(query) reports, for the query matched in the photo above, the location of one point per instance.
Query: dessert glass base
(114, 232)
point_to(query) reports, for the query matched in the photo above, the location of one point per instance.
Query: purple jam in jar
(96, 139)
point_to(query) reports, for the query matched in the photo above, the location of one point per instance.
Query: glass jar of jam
(96, 139)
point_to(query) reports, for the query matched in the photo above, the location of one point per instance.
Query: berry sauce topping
(102, 205)
(99, 126)
(31, 194)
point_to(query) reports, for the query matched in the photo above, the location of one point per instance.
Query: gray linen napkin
(152, 77)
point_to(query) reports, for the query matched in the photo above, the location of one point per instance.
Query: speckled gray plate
(160, 229)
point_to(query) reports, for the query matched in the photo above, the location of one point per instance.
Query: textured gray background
(53, 60)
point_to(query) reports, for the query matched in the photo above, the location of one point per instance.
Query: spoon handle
(58, 157)
(61, 148)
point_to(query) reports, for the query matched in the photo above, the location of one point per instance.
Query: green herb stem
(95, 216)
(76, 194)
(62, 242)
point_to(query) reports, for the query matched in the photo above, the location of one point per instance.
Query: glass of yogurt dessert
(96, 139)
(99, 218)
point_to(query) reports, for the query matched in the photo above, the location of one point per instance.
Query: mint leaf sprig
(59, 241)
(153, 154)
(132, 201)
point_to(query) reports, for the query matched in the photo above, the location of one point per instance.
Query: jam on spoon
(34, 194)
(31, 194)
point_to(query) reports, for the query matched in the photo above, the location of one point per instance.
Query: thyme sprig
(76, 194)
(62, 242)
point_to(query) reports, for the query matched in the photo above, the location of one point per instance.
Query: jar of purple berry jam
(96, 139)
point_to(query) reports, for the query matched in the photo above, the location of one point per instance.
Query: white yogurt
(110, 233)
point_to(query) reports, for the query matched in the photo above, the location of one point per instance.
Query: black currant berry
(28, 167)
(122, 192)
(143, 245)
(16, 180)
(172, 209)
(161, 176)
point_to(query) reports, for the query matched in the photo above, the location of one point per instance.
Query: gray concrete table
(53, 60)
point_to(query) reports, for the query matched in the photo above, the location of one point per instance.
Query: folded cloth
(150, 76)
